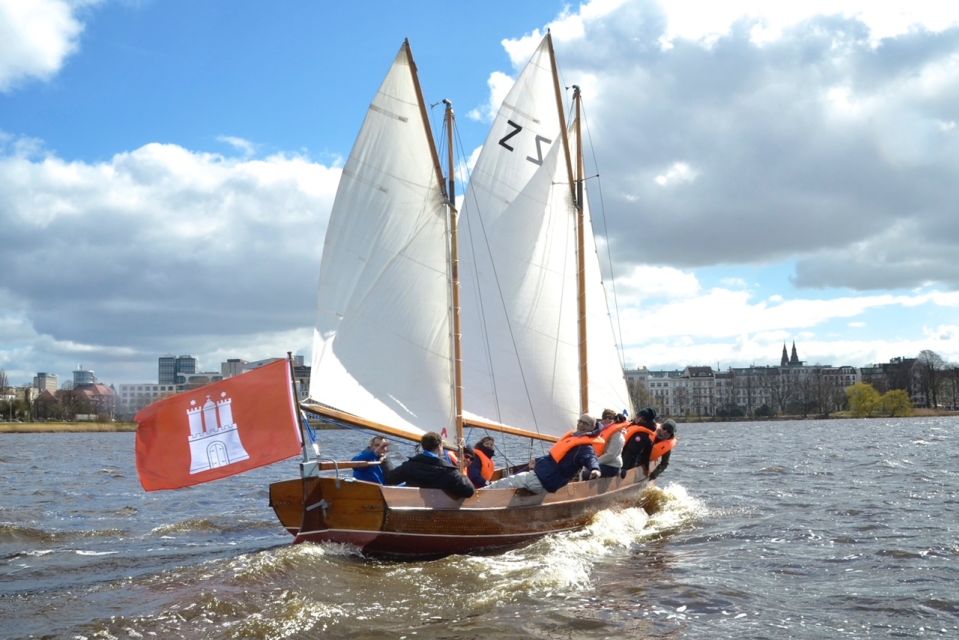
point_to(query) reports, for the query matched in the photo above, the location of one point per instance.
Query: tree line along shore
(115, 427)
(66, 427)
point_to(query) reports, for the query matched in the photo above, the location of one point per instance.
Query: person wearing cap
(642, 429)
(658, 448)
(565, 460)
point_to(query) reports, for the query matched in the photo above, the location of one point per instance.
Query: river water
(812, 529)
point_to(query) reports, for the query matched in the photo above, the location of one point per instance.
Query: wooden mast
(581, 257)
(576, 192)
(455, 286)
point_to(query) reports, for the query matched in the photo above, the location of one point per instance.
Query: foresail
(518, 276)
(381, 346)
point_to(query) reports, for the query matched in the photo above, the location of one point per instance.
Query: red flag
(218, 430)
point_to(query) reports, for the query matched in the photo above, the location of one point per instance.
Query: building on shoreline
(133, 397)
(46, 382)
(792, 388)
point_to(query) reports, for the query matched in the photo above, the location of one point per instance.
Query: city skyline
(158, 377)
(764, 173)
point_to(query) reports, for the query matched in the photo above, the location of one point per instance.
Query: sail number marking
(539, 140)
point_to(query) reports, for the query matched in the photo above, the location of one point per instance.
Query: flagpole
(299, 411)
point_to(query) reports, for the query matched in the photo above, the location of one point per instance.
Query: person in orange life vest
(658, 448)
(643, 426)
(428, 470)
(480, 468)
(613, 432)
(566, 458)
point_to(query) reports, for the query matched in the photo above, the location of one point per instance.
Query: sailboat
(429, 318)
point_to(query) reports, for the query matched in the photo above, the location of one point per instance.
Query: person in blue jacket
(550, 473)
(376, 452)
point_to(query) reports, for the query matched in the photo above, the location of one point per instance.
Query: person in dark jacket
(634, 447)
(430, 471)
(376, 452)
(574, 452)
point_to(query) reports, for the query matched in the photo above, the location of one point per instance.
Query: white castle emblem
(214, 439)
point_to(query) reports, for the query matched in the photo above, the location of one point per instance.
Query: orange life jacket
(606, 434)
(570, 441)
(486, 465)
(634, 430)
(661, 448)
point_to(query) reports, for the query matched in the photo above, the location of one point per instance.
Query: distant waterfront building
(301, 373)
(83, 376)
(46, 382)
(178, 373)
(232, 367)
(92, 400)
(174, 369)
(792, 388)
(198, 379)
(133, 397)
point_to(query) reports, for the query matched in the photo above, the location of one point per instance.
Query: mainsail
(518, 274)
(381, 346)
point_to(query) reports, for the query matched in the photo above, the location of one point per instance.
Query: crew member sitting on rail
(376, 452)
(613, 433)
(658, 447)
(429, 471)
(643, 426)
(573, 452)
(480, 469)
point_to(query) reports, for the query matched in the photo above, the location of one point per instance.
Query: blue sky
(769, 173)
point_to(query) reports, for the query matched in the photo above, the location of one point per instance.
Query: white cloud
(728, 326)
(36, 38)
(644, 282)
(677, 173)
(706, 21)
(158, 249)
(242, 145)
(499, 85)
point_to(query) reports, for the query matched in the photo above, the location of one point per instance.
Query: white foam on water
(563, 563)
(252, 566)
(81, 552)
(674, 508)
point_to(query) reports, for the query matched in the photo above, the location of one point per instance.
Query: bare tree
(950, 386)
(640, 395)
(930, 367)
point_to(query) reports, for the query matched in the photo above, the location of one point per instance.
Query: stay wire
(617, 318)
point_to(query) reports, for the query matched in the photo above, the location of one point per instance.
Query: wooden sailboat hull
(421, 523)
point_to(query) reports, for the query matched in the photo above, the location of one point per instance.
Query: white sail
(381, 346)
(518, 274)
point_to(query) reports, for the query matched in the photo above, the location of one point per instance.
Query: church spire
(785, 359)
(794, 359)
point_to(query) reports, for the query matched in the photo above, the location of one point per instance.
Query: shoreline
(921, 412)
(124, 427)
(67, 427)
